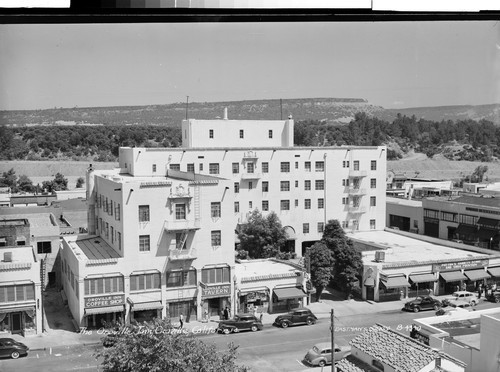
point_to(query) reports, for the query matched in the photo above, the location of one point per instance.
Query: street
(272, 349)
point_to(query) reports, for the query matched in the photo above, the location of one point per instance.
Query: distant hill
(336, 111)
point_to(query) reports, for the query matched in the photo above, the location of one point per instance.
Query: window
(242, 133)
(307, 204)
(432, 213)
(181, 278)
(19, 292)
(448, 216)
(44, 247)
(144, 243)
(296, 165)
(112, 234)
(250, 167)
(107, 230)
(180, 211)
(236, 207)
(236, 187)
(250, 205)
(236, 168)
(321, 227)
(106, 205)
(373, 201)
(215, 275)
(285, 205)
(119, 240)
(180, 241)
(321, 203)
(345, 164)
(465, 219)
(305, 228)
(102, 285)
(319, 184)
(270, 133)
(175, 167)
(201, 167)
(101, 225)
(154, 168)
(216, 238)
(356, 165)
(373, 183)
(373, 165)
(296, 202)
(320, 166)
(190, 168)
(265, 186)
(345, 224)
(265, 167)
(215, 209)
(265, 205)
(213, 168)
(296, 183)
(345, 201)
(143, 213)
(145, 281)
(117, 212)
(307, 185)
(285, 186)
(250, 185)
(372, 224)
(210, 133)
(307, 166)
(285, 167)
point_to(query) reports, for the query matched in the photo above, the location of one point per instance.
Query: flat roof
(253, 268)
(13, 221)
(399, 248)
(95, 248)
(41, 224)
(166, 181)
(19, 254)
(472, 200)
(403, 201)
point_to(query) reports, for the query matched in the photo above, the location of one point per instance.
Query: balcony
(357, 173)
(356, 209)
(250, 176)
(179, 225)
(357, 191)
(182, 254)
(250, 155)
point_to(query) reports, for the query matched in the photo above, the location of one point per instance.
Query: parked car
(422, 303)
(297, 316)
(466, 296)
(454, 306)
(11, 348)
(321, 354)
(494, 297)
(240, 322)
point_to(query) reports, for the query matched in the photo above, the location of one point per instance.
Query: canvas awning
(147, 306)
(466, 230)
(477, 274)
(422, 278)
(453, 276)
(395, 282)
(494, 271)
(489, 222)
(15, 309)
(104, 310)
(486, 234)
(291, 292)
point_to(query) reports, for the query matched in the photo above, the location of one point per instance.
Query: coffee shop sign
(459, 265)
(102, 301)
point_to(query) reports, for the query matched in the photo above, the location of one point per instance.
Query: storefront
(215, 298)
(18, 320)
(254, 300)
(495, 276)
(186, 307)
(461, 275)
(145, 311)
(104, 310)
(286, 299)
(451, 281)
(421, 284)
(392, 288)
(476, 278)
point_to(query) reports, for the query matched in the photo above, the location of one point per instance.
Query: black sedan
(423, 303)
(240, 322)
(11, 348)
(298, 316)
(494, 297)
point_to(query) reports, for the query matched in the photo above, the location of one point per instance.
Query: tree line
(24, 184)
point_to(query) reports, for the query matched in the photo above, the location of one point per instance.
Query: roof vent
(97, 241)
(380, 256)
(7, 257)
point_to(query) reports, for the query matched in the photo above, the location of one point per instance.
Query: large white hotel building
(162, 225)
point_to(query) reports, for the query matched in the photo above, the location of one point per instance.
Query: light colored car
(455, 306)
(466, 296)
(321, 354)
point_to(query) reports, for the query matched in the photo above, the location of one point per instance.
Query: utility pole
(332, 329)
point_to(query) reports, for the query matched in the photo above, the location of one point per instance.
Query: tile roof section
(394, 349)
(352, 364)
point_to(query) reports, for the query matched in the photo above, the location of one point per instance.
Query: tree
(262, 237)
(80, 182)
(347, 260)
(479, 172)
(9, 179)
(320, 260)
(158, 346)
(59, 182)
(25, 184)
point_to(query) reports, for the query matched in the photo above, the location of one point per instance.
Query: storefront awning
(477, 274)
(286, 293)
(466, 230)
(489, 222)
(494, 271)
(486, 234)
(453, 276)
(104, 310)
(395, 282)
(14, 309)
(422, 278)
(147, 306)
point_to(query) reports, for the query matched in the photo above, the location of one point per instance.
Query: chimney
(225, 113)
(7, 257)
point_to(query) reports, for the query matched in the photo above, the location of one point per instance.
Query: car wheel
(321, 363)
(284, 324)
(497, 300)
(254, 328)
(226, 331)
(473, 303)
(14, 354)
(309, 321)
(416, 309)
(436, 307)
(236, 330)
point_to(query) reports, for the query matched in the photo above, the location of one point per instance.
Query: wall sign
(216, 291)
(103, 301)
(472, 264)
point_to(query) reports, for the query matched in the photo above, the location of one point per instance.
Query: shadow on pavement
(57, 314)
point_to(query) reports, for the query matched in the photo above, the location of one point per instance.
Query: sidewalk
(60, 331)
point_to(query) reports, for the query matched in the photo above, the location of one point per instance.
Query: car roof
(461, 292)
(459, 303)
(325, 345)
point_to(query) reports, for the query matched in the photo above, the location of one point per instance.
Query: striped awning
(477, 274)
(494, 271)
(147, 306)
(286, 293)
(14, 309)
(422, 278)
(104, 310)
(395, 282)
(453, 276)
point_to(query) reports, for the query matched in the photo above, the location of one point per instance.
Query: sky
(390, 64)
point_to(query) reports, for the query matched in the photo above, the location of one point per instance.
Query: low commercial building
(398, 265)
(471, 337)
(269, 286)
(405, 215)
